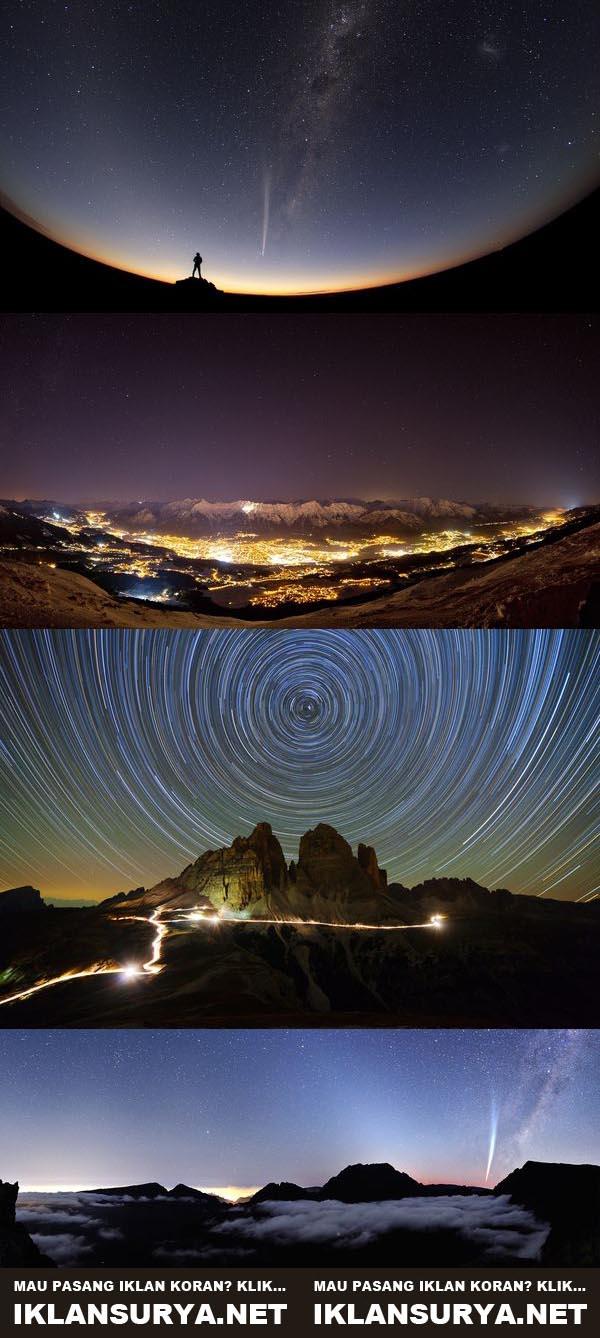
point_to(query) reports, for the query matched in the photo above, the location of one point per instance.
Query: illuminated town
(256, 572)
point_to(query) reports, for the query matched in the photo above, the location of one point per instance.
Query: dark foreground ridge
(17, 1250)
(569, 1198)
(528, 275)
(241, 937)
(543, 1213)
(21, 901)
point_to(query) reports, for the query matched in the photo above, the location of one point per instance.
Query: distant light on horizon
(132, 159)
(261, 407)
(217, 1120)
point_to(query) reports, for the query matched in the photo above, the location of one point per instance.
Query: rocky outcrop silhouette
(152, 1190)
(568, 1197)
(8, 1200)
(21, 900)
(189, 1192)
(281, 1191)
(136, 894)
(370, 1183)
(193, 294)
(17, 1249)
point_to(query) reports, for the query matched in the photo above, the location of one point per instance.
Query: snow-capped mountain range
(198, 516)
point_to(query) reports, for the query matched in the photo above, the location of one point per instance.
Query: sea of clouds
(71, 1228)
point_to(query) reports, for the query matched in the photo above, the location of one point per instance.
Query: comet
(492, 1147)
(266, 210)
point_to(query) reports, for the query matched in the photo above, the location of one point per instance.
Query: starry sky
(456, 753)
(218, 1108)
(472, 408)
(301, 145)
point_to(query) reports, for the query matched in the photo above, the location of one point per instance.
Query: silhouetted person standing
(197, 264)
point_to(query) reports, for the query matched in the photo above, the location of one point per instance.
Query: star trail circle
(455, 753)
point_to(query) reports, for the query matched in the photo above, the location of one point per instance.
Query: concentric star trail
(125, 754)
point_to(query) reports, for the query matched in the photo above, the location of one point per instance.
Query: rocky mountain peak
(8, 1200)
(17, 1249)
(280, 1191)
(323, 842)
(328, 868)
(367, 859)
(370, 1183)
(251, 877)
(241, 877)
(19, 900)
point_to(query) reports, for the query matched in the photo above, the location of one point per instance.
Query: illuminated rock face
(250, 877)
(244, 877)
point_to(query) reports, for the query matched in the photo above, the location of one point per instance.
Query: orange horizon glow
(535, 218)
(231, 285)
(230, 1192)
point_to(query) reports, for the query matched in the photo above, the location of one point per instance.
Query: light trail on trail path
(151, 967)
(155, 962)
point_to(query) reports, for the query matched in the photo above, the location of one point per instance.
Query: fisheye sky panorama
(300, 145)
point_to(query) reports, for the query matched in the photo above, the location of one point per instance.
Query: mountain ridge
(198, 515)
(251, 877)
(551, 1211)
(202, 515)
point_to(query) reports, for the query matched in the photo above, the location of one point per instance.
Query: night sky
(455, 753)
(491, 408)
(299, 144)
(217, 1108)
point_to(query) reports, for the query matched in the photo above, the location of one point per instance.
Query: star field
(494, 408)
(455, 753)
(240, 1108)
(321, 144)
